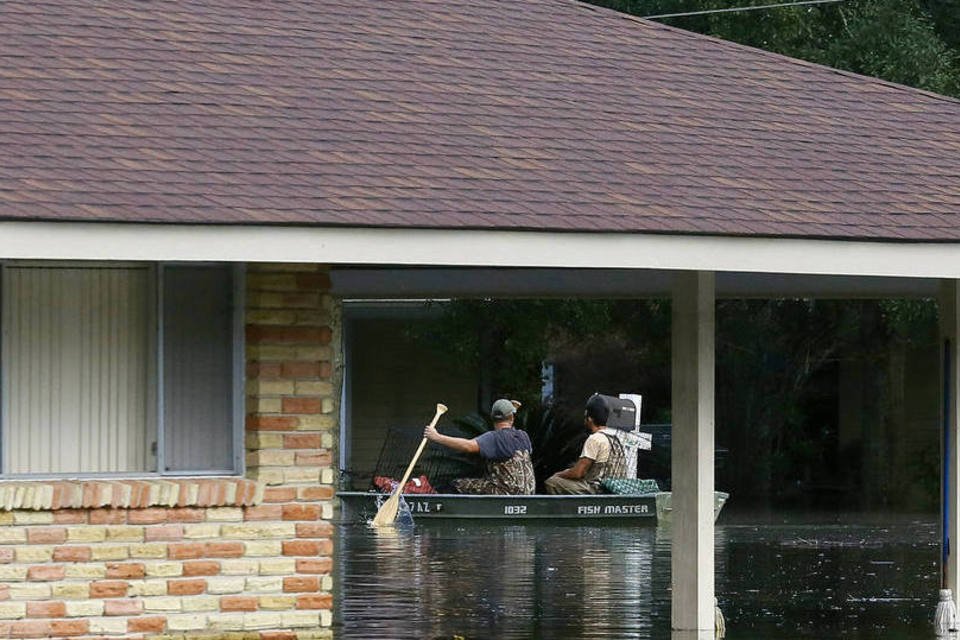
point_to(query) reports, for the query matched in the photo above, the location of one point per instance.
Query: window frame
(155, 390)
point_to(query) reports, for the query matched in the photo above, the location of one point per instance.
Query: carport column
(692, 451)
(950, 425)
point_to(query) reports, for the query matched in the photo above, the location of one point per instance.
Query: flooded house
(210, 214)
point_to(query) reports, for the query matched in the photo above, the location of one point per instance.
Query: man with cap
(602, 455)
(505, 452)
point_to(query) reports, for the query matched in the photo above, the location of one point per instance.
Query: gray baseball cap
(504, 408)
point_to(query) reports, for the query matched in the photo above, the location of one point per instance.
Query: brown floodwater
(796, 576)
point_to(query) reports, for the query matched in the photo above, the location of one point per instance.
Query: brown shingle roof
(541, 114)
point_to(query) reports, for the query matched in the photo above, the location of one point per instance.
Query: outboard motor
(624, 423)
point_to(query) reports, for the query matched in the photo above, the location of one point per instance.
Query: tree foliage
(780, 366)
(508, 340)
(911, 42)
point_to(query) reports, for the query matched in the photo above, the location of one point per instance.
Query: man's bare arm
(457, 444)
(578, 471)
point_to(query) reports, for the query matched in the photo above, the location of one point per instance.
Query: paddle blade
(387, 513)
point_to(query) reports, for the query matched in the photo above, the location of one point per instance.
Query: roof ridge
(773, 54)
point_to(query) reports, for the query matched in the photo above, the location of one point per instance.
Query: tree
(911, 42)
(891, 39)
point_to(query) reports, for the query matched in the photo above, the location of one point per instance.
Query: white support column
(692, 559)
(950, 427)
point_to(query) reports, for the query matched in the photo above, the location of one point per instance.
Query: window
(119, 370)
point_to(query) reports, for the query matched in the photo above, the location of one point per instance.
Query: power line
(732, 9)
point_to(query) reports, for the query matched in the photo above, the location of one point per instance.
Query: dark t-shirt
(501, 444)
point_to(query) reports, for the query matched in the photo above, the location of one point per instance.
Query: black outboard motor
(624, 411)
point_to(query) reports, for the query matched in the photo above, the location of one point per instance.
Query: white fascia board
(453, 247)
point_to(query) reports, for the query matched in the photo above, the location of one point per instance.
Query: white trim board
(453, 247)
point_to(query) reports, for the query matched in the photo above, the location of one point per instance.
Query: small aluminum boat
(652, 508)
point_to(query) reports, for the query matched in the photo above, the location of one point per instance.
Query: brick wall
(221, 558)
(293, 329)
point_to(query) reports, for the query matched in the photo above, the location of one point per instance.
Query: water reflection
(489, 581)
(692, 635)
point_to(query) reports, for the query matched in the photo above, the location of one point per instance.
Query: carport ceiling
(407, 283)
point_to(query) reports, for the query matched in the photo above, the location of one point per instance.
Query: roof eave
(475, 248)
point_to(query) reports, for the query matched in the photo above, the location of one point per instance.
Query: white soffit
(473, 248)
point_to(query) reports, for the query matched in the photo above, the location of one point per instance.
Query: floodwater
(808, 577)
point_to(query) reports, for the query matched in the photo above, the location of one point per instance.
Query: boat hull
(359, 506)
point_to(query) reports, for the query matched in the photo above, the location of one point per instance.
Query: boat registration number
(515, 510)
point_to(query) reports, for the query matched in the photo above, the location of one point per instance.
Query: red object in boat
(414, 485)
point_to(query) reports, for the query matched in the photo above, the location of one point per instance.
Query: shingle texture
(540, 114)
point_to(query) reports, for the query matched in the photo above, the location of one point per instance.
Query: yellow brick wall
(219, 558)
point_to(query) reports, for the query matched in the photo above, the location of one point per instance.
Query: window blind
(78, 363)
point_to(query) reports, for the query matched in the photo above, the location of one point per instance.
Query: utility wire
(732, 9)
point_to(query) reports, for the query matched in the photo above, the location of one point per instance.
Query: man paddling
(505, 452)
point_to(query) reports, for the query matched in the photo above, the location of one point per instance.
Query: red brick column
(293, 333)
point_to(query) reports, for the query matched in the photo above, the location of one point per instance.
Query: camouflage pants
(555, 485)
(506, 478)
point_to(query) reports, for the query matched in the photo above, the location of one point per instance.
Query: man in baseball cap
(505, 452)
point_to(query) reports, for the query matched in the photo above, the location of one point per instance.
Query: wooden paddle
(388, 510)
